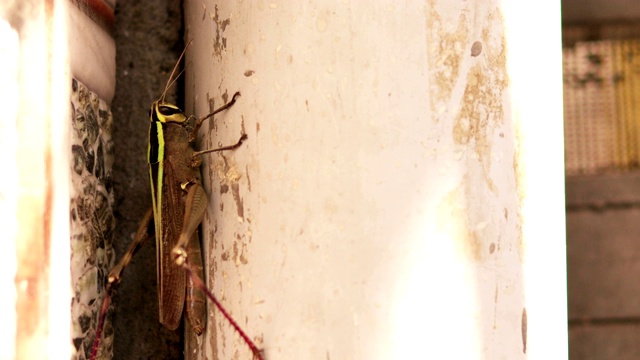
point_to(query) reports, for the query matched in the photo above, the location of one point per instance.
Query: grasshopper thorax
(166, 113)
(160, 115)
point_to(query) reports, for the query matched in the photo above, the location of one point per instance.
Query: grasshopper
(179, 202)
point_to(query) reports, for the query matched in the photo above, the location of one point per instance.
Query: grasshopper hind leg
(195, 207)
(145, 232)
(195, 301)
(195, 305)
(188, 249)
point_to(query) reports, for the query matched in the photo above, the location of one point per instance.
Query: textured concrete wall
(148, 43)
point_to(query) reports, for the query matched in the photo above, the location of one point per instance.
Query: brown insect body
(180, 172)
(179, 203)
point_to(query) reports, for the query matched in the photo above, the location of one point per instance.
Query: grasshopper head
(166, 113)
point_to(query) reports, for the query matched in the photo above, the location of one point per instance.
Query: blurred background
(601, 61)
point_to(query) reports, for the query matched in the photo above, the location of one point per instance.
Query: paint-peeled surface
(376, 209)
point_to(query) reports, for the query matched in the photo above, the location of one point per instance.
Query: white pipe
(401, 191)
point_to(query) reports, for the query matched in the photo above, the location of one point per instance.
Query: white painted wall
(401, 191)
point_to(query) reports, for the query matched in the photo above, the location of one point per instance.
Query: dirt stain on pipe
(524, 330)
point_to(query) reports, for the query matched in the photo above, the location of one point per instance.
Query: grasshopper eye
(168, 113)
(168, 110)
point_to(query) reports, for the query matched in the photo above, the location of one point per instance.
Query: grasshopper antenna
(173, 79)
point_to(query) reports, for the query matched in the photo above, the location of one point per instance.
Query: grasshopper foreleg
(228, 147)
(199, 122)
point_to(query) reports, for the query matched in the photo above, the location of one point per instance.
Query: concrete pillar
(34, 190)
(400, 194)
